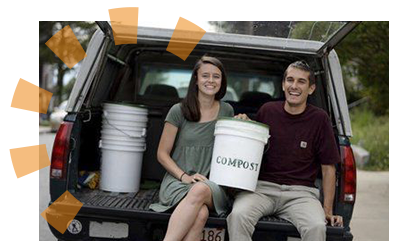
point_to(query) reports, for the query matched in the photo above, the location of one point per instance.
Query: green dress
(192, 152)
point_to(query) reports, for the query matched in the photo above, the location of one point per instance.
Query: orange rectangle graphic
(124, 22)
(66, 46)
(31, 97)
(29, 159)
(60, 214)
(185, 38)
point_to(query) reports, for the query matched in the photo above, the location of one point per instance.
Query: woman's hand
(193, 178)
(242, 117)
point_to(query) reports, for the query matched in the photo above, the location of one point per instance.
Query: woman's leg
(185, 214)
(195, 232)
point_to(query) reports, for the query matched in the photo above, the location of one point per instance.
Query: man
(301, 143)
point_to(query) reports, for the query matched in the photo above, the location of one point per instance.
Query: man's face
(297, 87)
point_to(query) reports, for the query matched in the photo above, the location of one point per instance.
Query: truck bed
(135, 206)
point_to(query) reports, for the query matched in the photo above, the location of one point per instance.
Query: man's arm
(328, 185)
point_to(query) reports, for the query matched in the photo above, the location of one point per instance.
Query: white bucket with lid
(237, 154)
(122, 145)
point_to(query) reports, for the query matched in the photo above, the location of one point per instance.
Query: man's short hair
(302, 65)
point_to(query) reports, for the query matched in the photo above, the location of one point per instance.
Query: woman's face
(209, 79)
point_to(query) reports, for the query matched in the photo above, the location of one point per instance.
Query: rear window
(159, 82)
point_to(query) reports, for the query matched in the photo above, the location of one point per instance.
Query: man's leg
(304, 210)
(247, 209)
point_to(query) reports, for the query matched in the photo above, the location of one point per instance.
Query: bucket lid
(240, 120)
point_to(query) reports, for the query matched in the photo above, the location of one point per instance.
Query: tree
(364, 53)
(82, 30)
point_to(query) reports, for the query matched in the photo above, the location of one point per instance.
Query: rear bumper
(144, 224)
(148, 225)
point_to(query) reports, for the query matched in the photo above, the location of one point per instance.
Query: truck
(146, 73)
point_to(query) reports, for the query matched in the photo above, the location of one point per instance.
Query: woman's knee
(199, 193)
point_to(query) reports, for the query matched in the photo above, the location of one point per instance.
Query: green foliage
(316, 31)
(372, 133)
(364, 54)
(82, 30)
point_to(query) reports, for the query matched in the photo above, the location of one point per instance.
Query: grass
(372, 133)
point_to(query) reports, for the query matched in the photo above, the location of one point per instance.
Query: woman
(189, 134)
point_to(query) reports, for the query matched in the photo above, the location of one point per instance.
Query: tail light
(349, 175)
(59, 157)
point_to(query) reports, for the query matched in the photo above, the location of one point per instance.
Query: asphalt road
(44, 196)
(370, 218)
(371, 212)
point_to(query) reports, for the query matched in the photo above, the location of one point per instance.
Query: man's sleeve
(327, 149)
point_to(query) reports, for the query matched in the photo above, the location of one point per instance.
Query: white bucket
(134, 109)
(121, 168)
(122, 145)
(124, 117)
(128, 133)
(122, 138)
(119, 127)
(124, 123)
(237, 154)
(111, 142)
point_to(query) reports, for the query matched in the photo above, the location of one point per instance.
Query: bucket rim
(142, 106)
(240, 120)
(137, 149)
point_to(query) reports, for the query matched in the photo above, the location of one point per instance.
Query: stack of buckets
(122, 145)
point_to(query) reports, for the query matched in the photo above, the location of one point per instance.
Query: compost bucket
(122, 145)
(237, 154)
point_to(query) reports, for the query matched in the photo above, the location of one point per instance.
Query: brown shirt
(298, 145)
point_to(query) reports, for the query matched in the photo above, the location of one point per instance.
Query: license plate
(213, 234)
(108, 230)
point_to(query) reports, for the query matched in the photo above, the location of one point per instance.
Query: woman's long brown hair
(190, 104)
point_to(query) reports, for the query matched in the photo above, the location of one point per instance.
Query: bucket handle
(268, 144)
(131, 136)
(267, 147)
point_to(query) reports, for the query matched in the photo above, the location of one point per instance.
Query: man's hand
(328, 185)
(334, 220)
